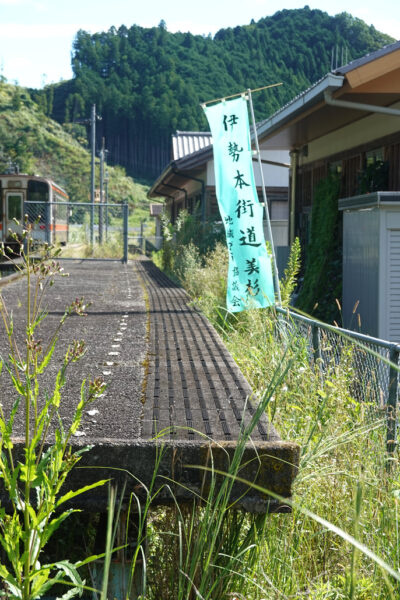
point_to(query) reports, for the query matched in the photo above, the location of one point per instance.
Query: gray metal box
(371, 263)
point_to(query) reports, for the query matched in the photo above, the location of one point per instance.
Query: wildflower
(75, 351)
(96, 388)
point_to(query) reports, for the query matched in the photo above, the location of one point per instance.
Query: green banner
(250, 283)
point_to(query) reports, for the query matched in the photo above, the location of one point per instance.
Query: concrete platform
(171, 384)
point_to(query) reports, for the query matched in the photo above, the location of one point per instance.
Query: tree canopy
(148, 82)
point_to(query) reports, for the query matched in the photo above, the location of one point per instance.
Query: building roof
(372, 56)
(308, 99)
(185, 167)
(373, 79)
(188, 142)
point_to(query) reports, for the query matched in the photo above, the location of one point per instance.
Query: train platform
(174, 393)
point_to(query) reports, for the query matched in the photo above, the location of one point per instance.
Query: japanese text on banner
(250, 283)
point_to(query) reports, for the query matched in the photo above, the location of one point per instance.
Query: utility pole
(93, 119)
(93, 150)
(92, 169)
(106, 179)
(102, 153)
(92, 122)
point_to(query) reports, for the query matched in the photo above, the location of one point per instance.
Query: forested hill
(147, 83)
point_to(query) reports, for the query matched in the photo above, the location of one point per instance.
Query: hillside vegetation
(43, 147)
(147, 83)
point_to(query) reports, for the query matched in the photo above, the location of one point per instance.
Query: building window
(374, 156)
(374, 176)
(336, 167)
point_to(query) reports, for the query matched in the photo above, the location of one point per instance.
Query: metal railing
(375, 363)
(80, 227)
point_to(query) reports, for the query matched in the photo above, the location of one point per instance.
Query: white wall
(273, 176)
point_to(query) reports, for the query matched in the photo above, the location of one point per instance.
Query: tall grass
(80, 247)
(343, 475)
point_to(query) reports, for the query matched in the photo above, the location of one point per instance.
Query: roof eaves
(187, 162)
(300, 103)
(358, 62)
(151, 194)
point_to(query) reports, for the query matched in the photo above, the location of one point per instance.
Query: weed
(32, 478)
(342, 477)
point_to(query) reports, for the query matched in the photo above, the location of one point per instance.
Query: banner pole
(264, 87)
(275, 268)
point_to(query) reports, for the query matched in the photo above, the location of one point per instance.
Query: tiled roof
(187, 142)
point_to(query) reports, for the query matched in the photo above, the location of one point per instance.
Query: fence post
(92, 224)
(391, 411)
(125, 231)
(48, 223)
(316, 344)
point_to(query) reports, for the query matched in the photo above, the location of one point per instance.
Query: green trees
(40, 145)
(147, 83)
(322, 282)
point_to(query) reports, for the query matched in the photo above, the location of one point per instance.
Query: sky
(36, 36)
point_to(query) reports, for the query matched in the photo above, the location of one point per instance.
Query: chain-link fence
(374, 363)
(82, 230)
(144, 244)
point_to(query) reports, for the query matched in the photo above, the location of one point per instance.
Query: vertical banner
(250, 283)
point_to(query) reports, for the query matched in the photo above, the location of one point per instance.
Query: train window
(38, 191)
(14, 207)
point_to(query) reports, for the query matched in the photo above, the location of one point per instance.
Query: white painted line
(113, 353)
(106, 372)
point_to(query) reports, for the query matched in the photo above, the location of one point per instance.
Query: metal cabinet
(371, 264)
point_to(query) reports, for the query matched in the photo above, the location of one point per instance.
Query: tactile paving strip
(193, 384)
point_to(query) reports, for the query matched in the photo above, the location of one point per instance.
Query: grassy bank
(39, 145)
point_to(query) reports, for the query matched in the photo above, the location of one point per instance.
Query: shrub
(322, 278)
